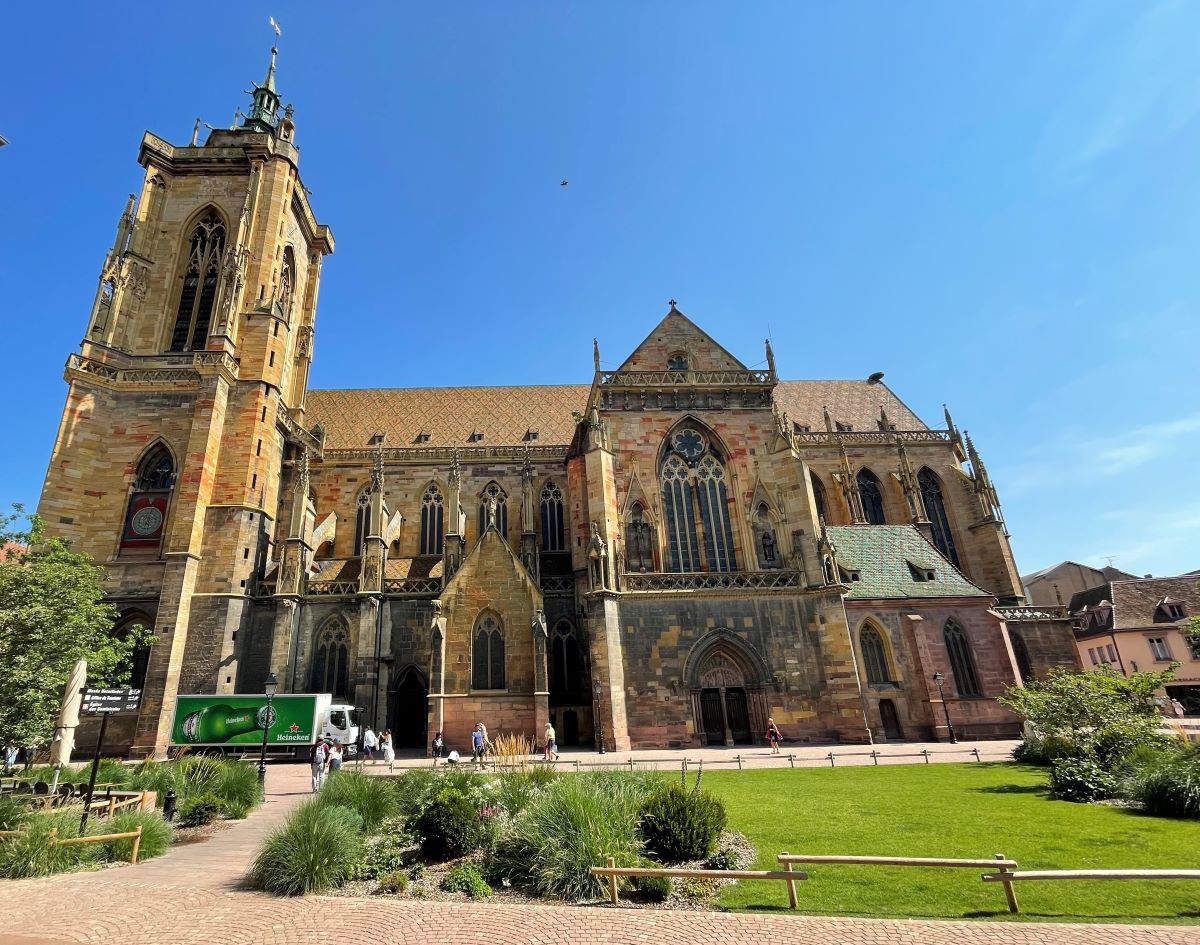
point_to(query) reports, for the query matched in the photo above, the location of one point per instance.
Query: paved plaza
(196, 894)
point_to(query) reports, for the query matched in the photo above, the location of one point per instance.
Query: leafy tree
(1101, 715)
(52, 613)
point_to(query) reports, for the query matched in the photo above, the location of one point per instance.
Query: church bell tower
(188, 390)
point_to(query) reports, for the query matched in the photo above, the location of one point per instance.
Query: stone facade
(651, 557)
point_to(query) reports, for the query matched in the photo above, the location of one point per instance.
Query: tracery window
(695, 502)
(639, 541)
(331, 660)
(493, 493)
(487, 655)
(870, 491)
(935, 511)
(966, 681)
(146, 515)
(874, 656)
(433, 521)
(566, 665)
(553, 533)
(200, 278)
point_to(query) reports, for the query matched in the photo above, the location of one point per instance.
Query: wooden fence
(135, 835)
(1008, 878)
(612, 871)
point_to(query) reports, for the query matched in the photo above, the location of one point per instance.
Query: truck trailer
(233, 724)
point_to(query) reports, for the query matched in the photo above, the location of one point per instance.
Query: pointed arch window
(201, 275)
(331, 660)
(139, 659)
(935, 512)
(146, 515)
(487, 654)
(870, 491)
(493, 493)
(639, 541)
(966, 680)
(874, 657)
(1021, 653)
(362, 520)
(696, 502)
(553, 532)
(566, 666)
(433, 521)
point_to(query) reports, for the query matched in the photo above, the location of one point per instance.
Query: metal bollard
(169, 806)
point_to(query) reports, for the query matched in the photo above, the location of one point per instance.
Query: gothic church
(662, 556)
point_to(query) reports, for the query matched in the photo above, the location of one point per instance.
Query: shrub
(724, 859)
(374, 799)
(415, 790)
(384, 854)
(682, 825)
(1081, 779)
(34, 851)
(317, 849)
(234, 782)
(394, 882)
(14, 812)
(574, 824)
(1036, 750)
(652, 888)
(1171, 788)
(466, 878)
(199, 810)
(450, 827)
(156, 835)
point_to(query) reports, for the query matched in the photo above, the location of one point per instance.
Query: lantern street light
(268, 717)
(937, 678)
(597, 690)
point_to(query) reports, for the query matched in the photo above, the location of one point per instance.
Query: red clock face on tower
(144, 523)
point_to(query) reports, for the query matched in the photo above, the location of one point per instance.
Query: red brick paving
(194, 896)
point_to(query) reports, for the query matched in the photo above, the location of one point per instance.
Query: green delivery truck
(234, 724)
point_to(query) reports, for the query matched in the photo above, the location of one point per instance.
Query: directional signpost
(104, 702)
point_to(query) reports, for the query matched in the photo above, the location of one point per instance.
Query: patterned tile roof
(504, 414)
(882, 555)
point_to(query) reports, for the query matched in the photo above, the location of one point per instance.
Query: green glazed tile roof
(882, 555)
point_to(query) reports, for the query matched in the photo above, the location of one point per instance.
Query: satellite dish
(875, 378)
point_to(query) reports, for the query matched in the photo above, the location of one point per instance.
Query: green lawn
(969, 810)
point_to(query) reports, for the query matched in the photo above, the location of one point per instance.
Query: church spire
(265, 101)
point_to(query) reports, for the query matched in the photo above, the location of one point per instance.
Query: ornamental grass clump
(374, 799)
(576, 823)
(155, 841)
(14, 812)
(233, 781)
(318, 848)
(679, 825)
(1170, 787)
(35, 852)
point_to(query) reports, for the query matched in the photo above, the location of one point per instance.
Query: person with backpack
(320, 762)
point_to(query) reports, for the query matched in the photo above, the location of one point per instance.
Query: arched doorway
(409, 710)
(727, 680)
(891, 721)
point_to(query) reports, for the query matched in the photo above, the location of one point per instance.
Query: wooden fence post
(612, 881)
(976, 750)
(875, 756)
(792, 760)
(830, 757)
(739, 761)
(137, 842)
(112, 805)
(791, 885)
(1009, 893)
(925, 752)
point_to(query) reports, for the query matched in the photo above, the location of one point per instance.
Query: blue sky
(997, 204)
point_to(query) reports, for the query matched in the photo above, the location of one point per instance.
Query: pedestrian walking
(335, 758)
(774, 736)
(10, 757)
(27, 752)
(320, 762)
(487, 742)
(438, 748)
(369, 743)
(477, 748)
(387, 749)
(1177, 709)
(551, 748)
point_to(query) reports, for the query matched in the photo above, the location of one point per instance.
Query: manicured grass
(965, 811)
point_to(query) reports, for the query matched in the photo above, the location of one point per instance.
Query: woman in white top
(389, 752)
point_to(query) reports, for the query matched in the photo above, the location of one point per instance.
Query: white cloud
(1129, 450)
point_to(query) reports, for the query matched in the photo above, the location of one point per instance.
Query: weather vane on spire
(274, 26)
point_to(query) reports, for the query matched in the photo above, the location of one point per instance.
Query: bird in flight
(563, 183)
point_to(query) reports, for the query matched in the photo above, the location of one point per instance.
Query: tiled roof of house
(889, 560)
(1135, 602)
(506, 415)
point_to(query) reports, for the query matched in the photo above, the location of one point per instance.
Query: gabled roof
(1135, 602)
(1108, 572)
(881, 555)
(677, 332)
(855, 403)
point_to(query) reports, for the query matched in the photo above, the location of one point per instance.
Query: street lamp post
(596, 690)
(937, 678)
(269, 688)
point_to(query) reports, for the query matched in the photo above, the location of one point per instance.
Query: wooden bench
(612, 871)
(1008, 878)
(999, 862)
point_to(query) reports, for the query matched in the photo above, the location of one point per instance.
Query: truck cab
(340, 726)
